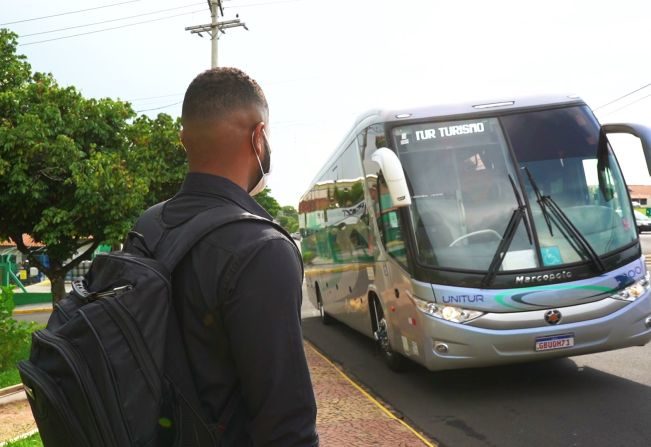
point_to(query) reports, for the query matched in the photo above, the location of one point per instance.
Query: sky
(323, 63)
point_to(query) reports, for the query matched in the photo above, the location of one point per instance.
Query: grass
(9, 376)
(30, 441)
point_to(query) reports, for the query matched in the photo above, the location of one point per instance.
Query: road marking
(371, 398)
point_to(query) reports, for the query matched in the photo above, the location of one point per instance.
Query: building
(641, 194)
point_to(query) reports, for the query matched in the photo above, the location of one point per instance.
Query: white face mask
(262, 183)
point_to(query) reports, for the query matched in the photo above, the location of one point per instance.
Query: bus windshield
(463, 199)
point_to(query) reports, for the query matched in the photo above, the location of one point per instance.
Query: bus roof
(468, 108)
(487, 107)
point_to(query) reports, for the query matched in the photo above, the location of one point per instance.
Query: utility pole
(215, 27)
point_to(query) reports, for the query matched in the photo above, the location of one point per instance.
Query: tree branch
(24, 249)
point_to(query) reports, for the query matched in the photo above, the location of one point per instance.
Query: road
(645, 239)
(592, 400)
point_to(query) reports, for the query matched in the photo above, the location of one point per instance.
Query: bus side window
(390, 224)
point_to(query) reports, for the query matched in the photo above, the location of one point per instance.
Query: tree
(156, 154)
(75, 172)
(267, 202)
(288, 218)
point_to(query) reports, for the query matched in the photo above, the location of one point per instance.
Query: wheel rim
(383, 336)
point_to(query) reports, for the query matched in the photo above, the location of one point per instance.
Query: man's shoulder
(243, 235)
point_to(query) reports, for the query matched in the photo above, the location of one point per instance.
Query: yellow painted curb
(33, 310)
(371, 398)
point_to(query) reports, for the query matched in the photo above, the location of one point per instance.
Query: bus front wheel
(325, 318)
(395, 361)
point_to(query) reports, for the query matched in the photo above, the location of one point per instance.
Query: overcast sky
(323, 63)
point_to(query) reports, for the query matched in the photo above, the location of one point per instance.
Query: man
(238, 291)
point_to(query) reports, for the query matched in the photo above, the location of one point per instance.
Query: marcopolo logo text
(547, 277)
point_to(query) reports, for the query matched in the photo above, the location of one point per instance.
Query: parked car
(643, 222)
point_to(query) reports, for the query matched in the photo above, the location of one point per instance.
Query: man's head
(224, 118)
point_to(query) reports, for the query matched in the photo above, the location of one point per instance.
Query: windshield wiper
(519, 214)
(539, 198)
(575, 238)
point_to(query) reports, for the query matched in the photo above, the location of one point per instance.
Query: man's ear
(257, 139)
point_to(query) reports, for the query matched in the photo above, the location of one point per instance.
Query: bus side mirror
(637, 130)
(394, 175)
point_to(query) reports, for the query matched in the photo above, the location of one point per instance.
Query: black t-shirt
(238, 294)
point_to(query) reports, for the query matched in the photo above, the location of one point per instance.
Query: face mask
(264, 178)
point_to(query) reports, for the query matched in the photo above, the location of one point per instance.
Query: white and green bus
(479, 234)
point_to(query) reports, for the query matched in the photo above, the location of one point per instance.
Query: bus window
(390, 225)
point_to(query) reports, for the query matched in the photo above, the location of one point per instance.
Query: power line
(69, 12)
(248, 5)
(154, 97)
(629, 104)
(108, 29)
(622, 97)
(158, 108)
(111, 20)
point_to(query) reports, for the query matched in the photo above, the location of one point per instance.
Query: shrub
(14, 335)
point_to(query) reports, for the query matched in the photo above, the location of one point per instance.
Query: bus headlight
(635, 290)
(447, 313)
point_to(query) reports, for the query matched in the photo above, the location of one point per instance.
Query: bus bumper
(453, 346)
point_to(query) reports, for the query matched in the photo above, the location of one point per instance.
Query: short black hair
(219, 90)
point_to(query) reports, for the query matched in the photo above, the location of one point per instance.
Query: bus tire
(395, 361)
(325, 318)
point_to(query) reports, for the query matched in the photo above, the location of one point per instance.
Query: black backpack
(110, 368)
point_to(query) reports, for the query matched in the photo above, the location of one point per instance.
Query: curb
(384, 408)
(11, 390)
(10, 394)
(19, 437)
(34, 310)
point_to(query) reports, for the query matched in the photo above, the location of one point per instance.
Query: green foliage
(267, 202)
(73, 169)
(157, 154)
(288, 218)
(14, 70)
(15, 336)
(30, 441)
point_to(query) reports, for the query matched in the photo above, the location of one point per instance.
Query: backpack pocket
(57, 424)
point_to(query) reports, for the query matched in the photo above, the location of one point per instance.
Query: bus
(479, 234)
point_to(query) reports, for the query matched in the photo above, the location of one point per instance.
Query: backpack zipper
(52, 394)
(122, 319)
(71, 357)
(111, 375)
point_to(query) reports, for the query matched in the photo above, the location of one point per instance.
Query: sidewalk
(348, 416)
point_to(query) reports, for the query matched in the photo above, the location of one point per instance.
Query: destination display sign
(446, 135)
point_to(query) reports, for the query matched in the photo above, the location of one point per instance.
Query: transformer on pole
(215, 27)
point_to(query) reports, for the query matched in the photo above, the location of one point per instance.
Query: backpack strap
(169, 245)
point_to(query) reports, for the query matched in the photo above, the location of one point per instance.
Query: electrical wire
(622, 97)
(159, 108)
(248, 5)
(154, 97)
(69, 12)
(111, 20)
(108, 29)
(629, 104)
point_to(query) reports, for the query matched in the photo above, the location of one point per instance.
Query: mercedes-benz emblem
(553, 316)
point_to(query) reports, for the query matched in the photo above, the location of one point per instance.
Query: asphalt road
(593, 400)
(645, 239)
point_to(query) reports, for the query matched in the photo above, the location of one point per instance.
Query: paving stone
(347, 417)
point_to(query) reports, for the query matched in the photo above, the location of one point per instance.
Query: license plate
(551, 342)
